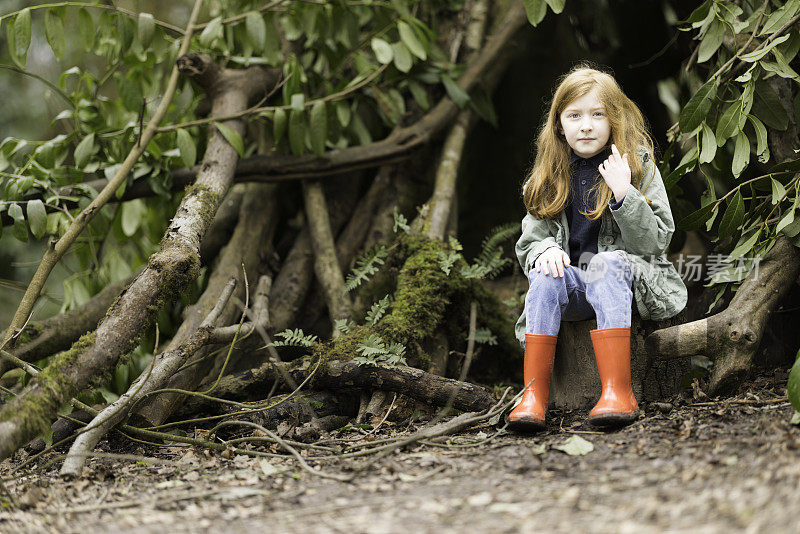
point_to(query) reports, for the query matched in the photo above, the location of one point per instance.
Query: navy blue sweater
(583, 232)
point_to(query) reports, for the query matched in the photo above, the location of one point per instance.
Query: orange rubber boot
(540, 349)
(617, 405)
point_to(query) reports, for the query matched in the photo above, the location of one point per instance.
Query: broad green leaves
(18, 33)
(732, 219)
(232, 137)
(698, 106)
(186, 147)
(37, 218)
(54, 30)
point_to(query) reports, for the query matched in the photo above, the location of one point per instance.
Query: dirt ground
(728, 465)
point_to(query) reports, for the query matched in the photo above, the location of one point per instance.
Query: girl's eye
(573, 115)
(598, 113)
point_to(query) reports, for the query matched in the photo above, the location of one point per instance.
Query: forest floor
(730, 465)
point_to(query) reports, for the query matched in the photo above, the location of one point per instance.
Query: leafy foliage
(366, 267)
(377, 310)
(374, 350)
(743, 54)
(357, 68)
(294, 338)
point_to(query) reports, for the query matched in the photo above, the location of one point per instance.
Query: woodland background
(358, 168)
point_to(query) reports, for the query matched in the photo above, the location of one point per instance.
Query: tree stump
(576, 382)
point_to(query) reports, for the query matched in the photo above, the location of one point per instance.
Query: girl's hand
(616, 172)
(553, 260)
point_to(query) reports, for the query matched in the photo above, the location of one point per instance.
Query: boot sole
(525, 425)
(613, 420)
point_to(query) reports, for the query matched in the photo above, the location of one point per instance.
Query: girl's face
(585, 125)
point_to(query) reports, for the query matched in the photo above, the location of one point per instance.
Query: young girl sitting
(593, 241)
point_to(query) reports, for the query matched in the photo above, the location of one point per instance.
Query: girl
(593, 241)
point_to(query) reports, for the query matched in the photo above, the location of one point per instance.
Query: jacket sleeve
(646, 229)
(535, 239)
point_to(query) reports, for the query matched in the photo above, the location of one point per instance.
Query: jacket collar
(595, 160)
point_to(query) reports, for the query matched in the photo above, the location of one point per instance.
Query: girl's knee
(607, 267)
(544, 282)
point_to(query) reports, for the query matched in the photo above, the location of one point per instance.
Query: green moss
(209, 201)
(29, 333)
(34, 411)
(423, 291)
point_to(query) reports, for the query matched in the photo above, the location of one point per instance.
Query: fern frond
(344, 325)
(377, 310)
(400, 222)
(294, 338)
(373, 345)
(446, 260)
(484, 335)
(366, 267)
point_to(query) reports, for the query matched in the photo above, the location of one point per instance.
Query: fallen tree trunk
(335, 375)
(91, 359)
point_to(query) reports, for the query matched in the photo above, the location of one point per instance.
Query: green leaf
(54, 31)
(84, 151)
(778, 191)
(18, 32)
(575, 446)
(297, 131)
(729, 122)
(698, 106)
(761, 134)
(211, 32)
(318, 122)
(794, 383)
(186, 147)
(402, 57)
(741, 154)
(455, 92)
(743, 248)
(556, 5)
(232, 137)
(145, 29)
(535, 10)
(410, 39)
(37, 218)
(711, 40)
(696, 218)
(732, 219)
(420, 94)
(779, 17)
(383, 50)
(758, 54)
(278, 124)
(482, 103)
(86, 28)
(786, 221)
(709, 145)
(298, 101)
(132, 214)
(343, 113)
(768, 107)
(20, 230)
(256, 31)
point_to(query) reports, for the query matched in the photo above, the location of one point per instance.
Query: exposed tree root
(731, 337)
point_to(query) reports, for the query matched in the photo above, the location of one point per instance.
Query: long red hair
(547, 188)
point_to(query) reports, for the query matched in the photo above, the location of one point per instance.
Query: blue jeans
(604, 289)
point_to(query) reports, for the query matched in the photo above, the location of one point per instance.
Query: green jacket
(641, 231)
